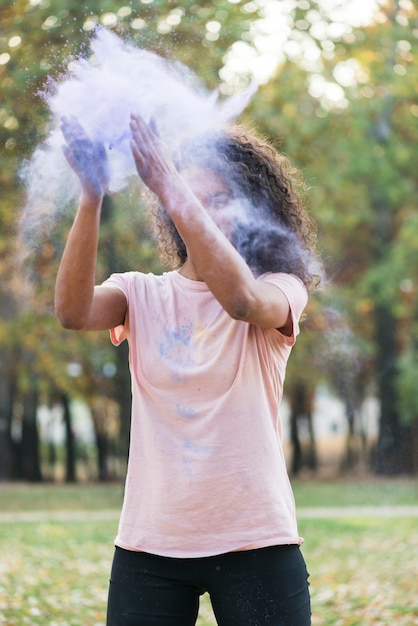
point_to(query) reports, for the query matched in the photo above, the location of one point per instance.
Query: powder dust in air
(102, 91)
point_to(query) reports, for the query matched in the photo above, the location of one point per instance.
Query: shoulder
(291, 285)
(295, 293)
(136, 284)
(127, 279)
(120, 279)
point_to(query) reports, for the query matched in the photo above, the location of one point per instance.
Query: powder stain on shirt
(176, 347)
(186, 412)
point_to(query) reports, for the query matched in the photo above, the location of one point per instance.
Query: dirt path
(357, 511)
(59, 516)
(302, 512)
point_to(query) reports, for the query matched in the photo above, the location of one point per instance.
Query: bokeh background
(337, 92)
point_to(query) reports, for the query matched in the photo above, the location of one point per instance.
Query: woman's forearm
(76, 275)
(216, 261)
(210, 254)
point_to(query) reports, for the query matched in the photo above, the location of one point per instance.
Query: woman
(208, 505)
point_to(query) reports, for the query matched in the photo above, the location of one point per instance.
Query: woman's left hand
(87, 158)
(152, 160)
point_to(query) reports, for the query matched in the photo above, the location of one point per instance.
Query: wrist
(91, 201)
(176, 194)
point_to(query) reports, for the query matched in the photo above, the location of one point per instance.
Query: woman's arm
(214, 258)
(79, 305)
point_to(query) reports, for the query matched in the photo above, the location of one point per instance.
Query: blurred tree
(385, 146)
(342, 104)
(349, 118)
(37, 40)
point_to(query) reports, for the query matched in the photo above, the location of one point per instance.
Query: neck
(189, 271)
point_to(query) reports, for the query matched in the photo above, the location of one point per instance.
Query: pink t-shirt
(206, 472)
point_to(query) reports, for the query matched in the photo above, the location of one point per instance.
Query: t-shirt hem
(190, 554)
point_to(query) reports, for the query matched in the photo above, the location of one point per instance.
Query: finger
(141, 141)
(139, 159)
(69, 122)
(136, 123)
(72, 130)
(133, 124)
(65, 127)
(72, 162)
(140, 162)
(135, 116)
(139, 126)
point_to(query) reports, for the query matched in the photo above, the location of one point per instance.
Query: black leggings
(264, 587)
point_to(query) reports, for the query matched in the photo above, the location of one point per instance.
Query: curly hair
(278, 234)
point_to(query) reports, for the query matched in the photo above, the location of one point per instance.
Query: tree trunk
(29, 445)
(123, 397)
(296, 463)
(102, 447)
(102, 418)
(301, 404)
(6, 411)
(123, 377)
(393, 452)
(414, 447)
(70, 462)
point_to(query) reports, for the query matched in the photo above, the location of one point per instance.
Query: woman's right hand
(151, 156)
(87, 158)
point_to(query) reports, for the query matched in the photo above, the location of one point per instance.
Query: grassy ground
(55, 573)
(95, 497)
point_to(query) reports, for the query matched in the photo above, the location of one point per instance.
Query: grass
(363, 571)
(53, 497)
(368, 492)
(95, 497)
(55, 573)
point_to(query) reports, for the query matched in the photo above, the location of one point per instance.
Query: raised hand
(152, 160)
(87, 158)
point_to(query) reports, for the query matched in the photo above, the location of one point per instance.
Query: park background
(337, 92)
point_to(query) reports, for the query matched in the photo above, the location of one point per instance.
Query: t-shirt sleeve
(121, 281)
(297, 296)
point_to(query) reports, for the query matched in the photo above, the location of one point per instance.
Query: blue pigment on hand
(101, 96)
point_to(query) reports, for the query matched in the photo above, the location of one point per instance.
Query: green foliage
(407, 386)
(358, 154)
(39, 39)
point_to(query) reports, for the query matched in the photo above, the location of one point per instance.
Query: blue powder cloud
(102, 90)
